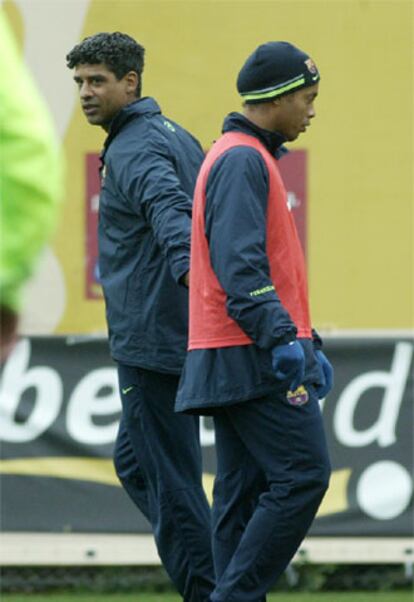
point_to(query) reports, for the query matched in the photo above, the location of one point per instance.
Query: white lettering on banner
(85, 403)
(47, 384)
(48, 396)
(394, 383)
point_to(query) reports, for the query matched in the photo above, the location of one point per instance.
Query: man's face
(293, 113)
(101, 94)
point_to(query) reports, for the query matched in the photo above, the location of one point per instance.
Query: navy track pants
(158, 461)
(273, 470)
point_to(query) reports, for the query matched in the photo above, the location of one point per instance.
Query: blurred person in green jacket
(30, 182)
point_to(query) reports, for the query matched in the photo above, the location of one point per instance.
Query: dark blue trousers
(158, 461)
(273, 470)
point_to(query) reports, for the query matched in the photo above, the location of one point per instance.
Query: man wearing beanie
(254, 361)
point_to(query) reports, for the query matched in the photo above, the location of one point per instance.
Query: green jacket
(30, 171)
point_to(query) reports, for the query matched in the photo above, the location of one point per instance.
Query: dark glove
(327, 374)
(288, 362)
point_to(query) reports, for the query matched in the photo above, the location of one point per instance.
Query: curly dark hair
(117, 51)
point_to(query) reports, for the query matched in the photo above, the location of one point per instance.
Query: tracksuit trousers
(273, 470)
(158, 461)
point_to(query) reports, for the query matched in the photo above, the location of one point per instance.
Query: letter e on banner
(85, 402)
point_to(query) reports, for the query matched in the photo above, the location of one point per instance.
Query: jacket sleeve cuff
(268, 342)
(179, 269)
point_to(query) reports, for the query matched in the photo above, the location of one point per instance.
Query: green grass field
(279, 597)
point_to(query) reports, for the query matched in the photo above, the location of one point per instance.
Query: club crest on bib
(298, 397)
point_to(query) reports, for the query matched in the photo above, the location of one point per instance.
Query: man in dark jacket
(149, 168)
(255, 362)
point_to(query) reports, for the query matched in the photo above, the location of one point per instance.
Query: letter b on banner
(17, 379)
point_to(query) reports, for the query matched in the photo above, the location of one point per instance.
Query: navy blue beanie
(275, 69)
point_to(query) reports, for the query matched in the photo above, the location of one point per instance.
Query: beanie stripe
(275, 91)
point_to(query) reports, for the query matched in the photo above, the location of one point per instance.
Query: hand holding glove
(327, 374)
(288, 362)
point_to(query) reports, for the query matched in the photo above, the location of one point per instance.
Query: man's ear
(132, 79)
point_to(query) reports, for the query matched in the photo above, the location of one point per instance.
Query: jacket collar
(273, 141)
(142, 106)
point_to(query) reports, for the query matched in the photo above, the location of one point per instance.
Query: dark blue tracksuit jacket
(236, 197)
(149, 168)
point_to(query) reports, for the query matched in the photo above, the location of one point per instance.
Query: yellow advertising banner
(359, 183)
